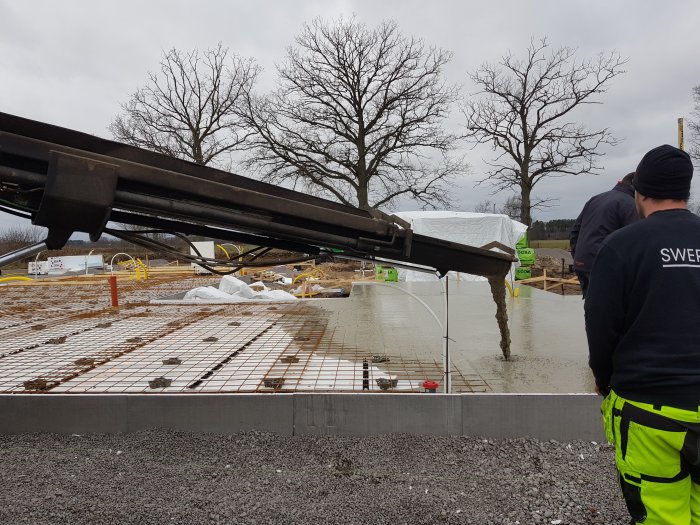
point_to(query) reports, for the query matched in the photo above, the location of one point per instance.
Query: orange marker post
(113, 290)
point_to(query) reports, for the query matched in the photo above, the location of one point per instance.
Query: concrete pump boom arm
(70, 181)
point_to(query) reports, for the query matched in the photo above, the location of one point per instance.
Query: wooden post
(562, 276)
(113, 290)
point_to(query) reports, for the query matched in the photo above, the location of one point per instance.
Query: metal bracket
(78, 196)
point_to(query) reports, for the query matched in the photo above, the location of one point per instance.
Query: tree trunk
(525, 216)
(362, 178)
(197, 156)
(363, 196)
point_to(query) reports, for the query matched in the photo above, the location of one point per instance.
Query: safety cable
(155, 245)
(190, 243)
(167, 248)
(137, 239)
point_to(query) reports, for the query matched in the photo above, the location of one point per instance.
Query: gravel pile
(158, 477)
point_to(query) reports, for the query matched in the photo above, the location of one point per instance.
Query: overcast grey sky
(72, 62)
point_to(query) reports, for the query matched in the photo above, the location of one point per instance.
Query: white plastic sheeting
(209, 293)
(230, 285)
(234, 290)
(472, 229)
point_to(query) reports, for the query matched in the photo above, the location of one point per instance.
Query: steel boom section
(70, 181)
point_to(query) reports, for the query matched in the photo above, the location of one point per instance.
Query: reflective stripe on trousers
(657, 454)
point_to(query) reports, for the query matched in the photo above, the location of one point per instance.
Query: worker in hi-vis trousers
(643, 328)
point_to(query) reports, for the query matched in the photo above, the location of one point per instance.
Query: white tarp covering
(472, 229)
(230, 285)
(234, 290)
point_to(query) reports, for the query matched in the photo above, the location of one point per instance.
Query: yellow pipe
(316, 273)
(513, 293)
(15, 278)
(144, 269)
(223, 250)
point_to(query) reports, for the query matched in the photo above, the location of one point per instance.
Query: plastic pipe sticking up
(443, 325)
(113, 290)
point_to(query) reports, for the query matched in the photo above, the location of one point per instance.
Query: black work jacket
(643, 311)
(602, 215)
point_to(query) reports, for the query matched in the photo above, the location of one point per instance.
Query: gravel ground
(156, 477)
(555, 253)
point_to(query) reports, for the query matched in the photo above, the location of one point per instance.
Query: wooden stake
(562, 276)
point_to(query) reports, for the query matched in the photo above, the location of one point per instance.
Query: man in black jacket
(643, 327)
(602, 215)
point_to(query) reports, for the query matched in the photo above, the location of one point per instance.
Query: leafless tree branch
(512, 207)
(191, 108)
(523, 111)
(694, 127)
(356, 115)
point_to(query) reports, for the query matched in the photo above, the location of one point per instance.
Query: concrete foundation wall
(563, 417)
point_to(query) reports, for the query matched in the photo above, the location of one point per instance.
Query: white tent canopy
(472, 229)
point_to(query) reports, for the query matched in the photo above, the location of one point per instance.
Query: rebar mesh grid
(251, 347)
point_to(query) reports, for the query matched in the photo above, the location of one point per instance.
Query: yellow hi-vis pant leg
(695, 502)
(658, 460)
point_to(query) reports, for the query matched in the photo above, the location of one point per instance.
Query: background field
(550, 243)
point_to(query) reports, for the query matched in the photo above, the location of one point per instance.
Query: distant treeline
(557, 229)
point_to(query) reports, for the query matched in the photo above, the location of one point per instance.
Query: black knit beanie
(664, 173)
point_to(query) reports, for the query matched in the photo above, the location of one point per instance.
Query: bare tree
(190, 109)
(523, 110)
(513, 207)
(20, 235)
(357, 116)
(485, 206)
(694, 126)
(694, 203)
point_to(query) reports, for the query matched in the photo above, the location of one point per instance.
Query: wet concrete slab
(549, 349)
(380, 338)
